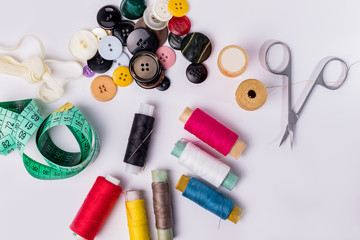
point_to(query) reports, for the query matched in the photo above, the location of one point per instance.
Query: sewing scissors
(286, 71)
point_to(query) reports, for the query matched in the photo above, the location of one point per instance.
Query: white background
(310, 192)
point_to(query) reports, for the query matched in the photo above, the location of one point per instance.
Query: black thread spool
(139, 139)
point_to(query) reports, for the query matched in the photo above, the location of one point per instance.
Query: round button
(196, 73)
(108, 17)
(175, 41)
(123, 31)
(232, 61)
(179, 25)
(132, 9)
(166, 56)
(83, 45)
(99, 33)
(160, 34)
(251, 94)
(151, 21)
(196, 47)
(99, 64)
(161, 11)
(153, 84)
(87, 72)
(103, 88)
(110, 47)
(145, 67)
(142, 39)
(178, 8)
(123, 60)
(164, 85)
(122, 76)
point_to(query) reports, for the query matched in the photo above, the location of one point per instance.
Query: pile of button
(102, 47)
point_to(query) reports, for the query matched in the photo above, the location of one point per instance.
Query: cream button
(83, 45)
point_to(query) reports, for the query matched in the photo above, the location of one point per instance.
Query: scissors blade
(291, 138)
(286, 134)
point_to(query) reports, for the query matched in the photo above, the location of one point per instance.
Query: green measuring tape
(19, 120)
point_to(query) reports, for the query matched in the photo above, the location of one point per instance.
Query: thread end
(182, 184)
(159, 175)
(230, 181)
(165, 234)
(235, 214)
(178, 149)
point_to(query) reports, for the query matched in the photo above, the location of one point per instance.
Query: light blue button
(110, 47)
(123, 60)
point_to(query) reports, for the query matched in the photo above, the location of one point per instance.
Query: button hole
(142, 69)
(147, 64)
(147, 69)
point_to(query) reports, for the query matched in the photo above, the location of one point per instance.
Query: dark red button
(179, 25)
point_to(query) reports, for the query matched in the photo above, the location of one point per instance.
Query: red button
(179, 25)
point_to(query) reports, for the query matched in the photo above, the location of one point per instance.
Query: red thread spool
(96, 207)
(212, 132)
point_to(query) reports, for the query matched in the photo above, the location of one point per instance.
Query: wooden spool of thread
(96, 207)
(162, 204)
(232, 61)
(251, 94)
(209, 199)
(136, 216)
(212, 132)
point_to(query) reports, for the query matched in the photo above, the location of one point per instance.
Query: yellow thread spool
(136, 216)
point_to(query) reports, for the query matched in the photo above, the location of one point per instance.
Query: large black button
(196, 73)
(145, 67)
(175, 41)
(123, 31)
(164, 85)
(99, 64)
(152, 84)
(142, 39)
(108, 17)
(196, 47)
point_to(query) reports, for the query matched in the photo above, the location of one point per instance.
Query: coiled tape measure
(19, 120)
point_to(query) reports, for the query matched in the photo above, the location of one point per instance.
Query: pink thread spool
(210, 131)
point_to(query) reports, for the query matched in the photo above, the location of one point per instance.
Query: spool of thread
(162, 204)
(136, 216)
(212, 132)
(96, 207)
(139, 139)
(209, 199)
(232, 61)
(251, 94)
(204, 165)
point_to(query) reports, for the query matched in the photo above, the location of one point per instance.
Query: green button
(132, 9)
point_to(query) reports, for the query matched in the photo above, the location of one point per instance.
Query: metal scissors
(286, 71)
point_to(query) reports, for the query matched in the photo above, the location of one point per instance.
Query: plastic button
(108, 17)
(103, 88)
(122, 76)
(152, 84)
(196, 73)
(83, 45)
(160, 34)
(110, 47)
(142, 39)
(166, 56)
(151, 21)
(87, 72)
(123, 31)
(123, 60)
(132, 9)
(99, 33)
(145, 67)
(99, 64)
(175, 41)
(179, 25)
(164, 85)
(196, 47)
(178, 8)
(161, 11)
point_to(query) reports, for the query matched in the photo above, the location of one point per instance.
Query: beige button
(145, 67)
(103, 88)
(251, 94)
(83, 45)
(232, 61)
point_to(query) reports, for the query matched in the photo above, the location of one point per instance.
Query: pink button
(166, 56)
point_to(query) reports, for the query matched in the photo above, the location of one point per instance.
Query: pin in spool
(251, 94)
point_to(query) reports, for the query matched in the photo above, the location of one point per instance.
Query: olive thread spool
(209, 199)
(162, 204)
(139, 139)
(208, 124)
(204, 165)
(136, 216)
(96, 208)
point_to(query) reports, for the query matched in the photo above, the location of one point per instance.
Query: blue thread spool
(209, 199)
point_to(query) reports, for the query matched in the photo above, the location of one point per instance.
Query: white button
(83, 45)
(99, 33)
(110, 47)
(161, 11)
(151, 21)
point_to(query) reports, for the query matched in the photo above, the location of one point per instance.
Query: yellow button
(122, 76)
(178, 8)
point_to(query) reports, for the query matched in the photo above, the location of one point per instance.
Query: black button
(123, 31)
(164, 85)
(108, 17)
(196, 73)
(99, 64)
(175, 41)
(153, 84)
(145, 67)
(196, 47)
(142, 39)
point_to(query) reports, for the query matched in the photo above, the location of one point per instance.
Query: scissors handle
(286, 70)
(320, 79)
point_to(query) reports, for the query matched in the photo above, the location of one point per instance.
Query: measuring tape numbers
(19, 120)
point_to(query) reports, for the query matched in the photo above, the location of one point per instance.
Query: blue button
(110, 47)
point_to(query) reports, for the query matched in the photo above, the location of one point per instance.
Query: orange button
(178, 8)
(122, 76)
(103, 88)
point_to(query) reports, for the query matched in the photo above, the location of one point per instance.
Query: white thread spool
(203, 164)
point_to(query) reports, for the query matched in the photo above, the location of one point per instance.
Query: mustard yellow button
(178, 8)
(122, 76)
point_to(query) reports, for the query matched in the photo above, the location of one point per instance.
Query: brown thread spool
(251, 94)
